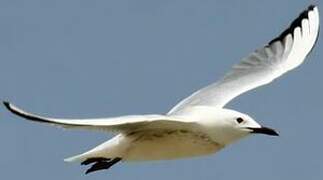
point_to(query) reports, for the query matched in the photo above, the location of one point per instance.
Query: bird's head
(230, 126)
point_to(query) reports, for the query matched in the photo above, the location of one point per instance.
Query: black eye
(239, 120)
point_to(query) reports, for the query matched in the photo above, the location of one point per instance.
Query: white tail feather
(77, 158)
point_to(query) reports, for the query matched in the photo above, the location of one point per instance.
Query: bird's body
(198, 125)
(157, 145)
(194, 138)
(168, 144)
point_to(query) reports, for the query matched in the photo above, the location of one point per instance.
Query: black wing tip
(7, 105)
(296, 23)
(312, 7)
(30, 116)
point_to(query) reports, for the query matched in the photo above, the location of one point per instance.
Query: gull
(200, 124)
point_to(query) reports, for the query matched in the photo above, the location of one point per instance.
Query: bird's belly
(168, 145)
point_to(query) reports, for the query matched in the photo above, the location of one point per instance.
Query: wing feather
(115, 124)
(261, 67)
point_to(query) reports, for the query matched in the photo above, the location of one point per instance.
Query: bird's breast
(169, 144)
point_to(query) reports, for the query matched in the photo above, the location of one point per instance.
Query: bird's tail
(76, 158)
(108, 149)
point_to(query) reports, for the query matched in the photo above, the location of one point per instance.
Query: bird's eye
(239, 120)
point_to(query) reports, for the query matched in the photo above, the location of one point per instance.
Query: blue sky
(87, 59)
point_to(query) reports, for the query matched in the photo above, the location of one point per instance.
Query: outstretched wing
(117, 124)
(281, 55)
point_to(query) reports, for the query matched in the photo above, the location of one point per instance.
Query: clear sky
(87, 59)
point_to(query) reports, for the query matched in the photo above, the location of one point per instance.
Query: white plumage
(198, 125)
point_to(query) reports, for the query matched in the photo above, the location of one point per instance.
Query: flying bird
(200, 124)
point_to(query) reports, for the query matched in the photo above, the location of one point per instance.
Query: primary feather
(281, 55)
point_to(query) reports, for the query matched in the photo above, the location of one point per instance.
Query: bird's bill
(264, 130)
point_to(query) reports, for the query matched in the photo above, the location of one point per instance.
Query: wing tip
(296, 23)
(22, 113)
(312, 7)
(13, 109)
(7, 104)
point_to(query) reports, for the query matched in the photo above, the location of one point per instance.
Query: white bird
(199, 125)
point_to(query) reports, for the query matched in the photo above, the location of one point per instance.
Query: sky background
(101, 58)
